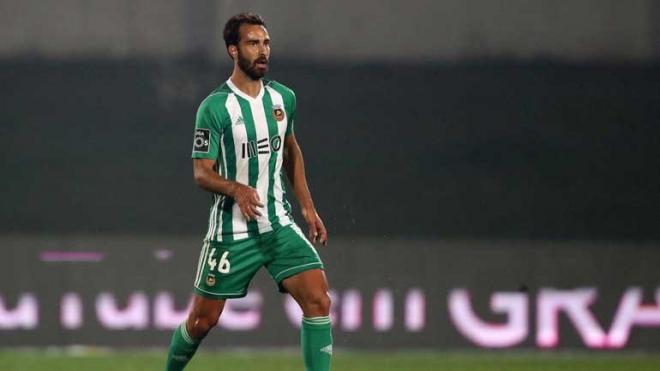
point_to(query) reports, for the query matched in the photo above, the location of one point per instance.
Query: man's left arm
(295, 171)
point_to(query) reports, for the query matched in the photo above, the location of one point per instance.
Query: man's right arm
(208, 179)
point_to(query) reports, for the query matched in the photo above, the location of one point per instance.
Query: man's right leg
(202, 318)
(224, 271)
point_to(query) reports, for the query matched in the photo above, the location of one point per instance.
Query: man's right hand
(248, 201)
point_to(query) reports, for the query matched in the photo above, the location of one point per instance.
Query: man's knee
(203, 316)
(317, 304)
(198, 326)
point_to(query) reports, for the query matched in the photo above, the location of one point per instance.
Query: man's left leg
(310, 290)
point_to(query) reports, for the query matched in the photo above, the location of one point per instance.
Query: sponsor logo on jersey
(278, 112)
(276, 143)
(202, 140)
(239, 121)
(263, 146)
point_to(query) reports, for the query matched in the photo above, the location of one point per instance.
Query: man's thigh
(306, 285)
(203, 307)
(290, 253)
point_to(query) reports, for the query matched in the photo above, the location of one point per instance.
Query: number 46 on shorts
(223, 265)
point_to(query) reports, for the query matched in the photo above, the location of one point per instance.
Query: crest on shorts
(210, 280)
(278, 112)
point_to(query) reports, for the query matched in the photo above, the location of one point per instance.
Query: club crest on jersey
(278, 112)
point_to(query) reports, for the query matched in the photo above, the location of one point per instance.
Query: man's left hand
(317, 231)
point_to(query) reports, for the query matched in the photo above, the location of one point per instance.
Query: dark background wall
(472, 149)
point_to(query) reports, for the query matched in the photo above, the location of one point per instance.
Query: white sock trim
(185, 335)
(317, 320)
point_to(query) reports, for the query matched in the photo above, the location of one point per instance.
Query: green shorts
(225, 269)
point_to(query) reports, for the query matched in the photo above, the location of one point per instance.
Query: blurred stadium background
(488, 171)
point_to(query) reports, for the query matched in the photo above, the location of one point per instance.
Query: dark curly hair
(230, 33)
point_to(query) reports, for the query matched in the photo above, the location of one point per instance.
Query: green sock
(316, 343)
(182, 348)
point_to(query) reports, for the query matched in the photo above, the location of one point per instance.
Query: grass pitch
(343, 361)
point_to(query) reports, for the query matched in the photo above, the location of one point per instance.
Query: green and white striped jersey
(245, 136)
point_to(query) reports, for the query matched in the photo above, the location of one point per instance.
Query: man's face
(253, 50)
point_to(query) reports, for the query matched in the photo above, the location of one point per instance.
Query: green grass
(346, 361)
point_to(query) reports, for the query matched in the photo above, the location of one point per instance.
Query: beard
(250, 67)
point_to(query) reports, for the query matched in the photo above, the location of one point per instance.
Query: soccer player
(243, 138)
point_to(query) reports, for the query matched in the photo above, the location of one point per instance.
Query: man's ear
(233, 51)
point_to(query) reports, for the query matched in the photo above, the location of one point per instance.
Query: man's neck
(245, 83)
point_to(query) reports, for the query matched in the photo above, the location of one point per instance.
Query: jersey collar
(238, 91)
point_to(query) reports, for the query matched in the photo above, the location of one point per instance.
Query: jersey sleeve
(291, 114)
(208, 129)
